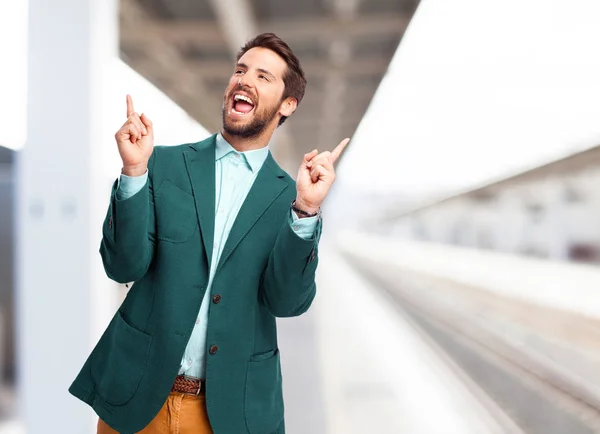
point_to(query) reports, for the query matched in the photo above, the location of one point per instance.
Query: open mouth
(242, 104)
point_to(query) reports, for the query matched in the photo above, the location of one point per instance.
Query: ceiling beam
(297, 31)
(236, 21)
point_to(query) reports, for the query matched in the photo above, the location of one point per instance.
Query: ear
(288, 106)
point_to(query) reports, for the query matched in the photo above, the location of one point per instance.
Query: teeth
(239, 97)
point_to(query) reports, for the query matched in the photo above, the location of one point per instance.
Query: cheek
(230, 86)
(270, 98)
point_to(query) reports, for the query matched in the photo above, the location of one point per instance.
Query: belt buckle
(199, 388)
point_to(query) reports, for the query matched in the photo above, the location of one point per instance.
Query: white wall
(173, 125)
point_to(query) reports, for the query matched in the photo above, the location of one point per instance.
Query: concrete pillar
(64, 299)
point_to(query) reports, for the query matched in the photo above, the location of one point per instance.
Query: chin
(234, 124)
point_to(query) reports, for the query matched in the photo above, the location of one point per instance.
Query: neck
(243, 144)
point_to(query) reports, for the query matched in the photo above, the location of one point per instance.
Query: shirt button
(296, 227)
(216, 299)
(197, 321)
(213, 350)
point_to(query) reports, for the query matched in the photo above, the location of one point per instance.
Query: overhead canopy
(187, 49)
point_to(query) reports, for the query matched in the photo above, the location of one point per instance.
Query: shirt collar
(254, 158)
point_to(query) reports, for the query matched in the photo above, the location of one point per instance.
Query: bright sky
(477, 90)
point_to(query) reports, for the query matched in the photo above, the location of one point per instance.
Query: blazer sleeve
(128, 232)
(288, 284)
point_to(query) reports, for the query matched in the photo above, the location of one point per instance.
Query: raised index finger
(338, 150)
(129, 106)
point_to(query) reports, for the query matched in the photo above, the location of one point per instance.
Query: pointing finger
(335, 154)
(130, 110)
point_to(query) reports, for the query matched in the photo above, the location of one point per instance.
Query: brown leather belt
(189, 385)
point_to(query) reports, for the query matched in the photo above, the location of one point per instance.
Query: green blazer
(161, 238)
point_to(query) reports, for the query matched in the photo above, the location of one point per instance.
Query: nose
(244, 81)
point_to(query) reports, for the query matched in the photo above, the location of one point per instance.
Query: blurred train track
(528, 382)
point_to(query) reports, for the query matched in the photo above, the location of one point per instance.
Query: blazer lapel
(267, 187)
(200, 165)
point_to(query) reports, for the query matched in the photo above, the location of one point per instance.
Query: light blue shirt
(235, 173)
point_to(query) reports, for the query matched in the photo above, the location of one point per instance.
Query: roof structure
(187, 49)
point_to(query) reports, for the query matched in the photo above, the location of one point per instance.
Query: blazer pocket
(175, 212)
(119, 360)
(263, 396)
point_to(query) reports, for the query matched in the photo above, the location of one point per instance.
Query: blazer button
(216, 299)
(110, 223)
(213, 350)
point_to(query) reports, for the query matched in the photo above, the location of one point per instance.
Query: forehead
(263, 58)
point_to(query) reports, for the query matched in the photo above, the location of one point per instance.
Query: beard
(254, 127)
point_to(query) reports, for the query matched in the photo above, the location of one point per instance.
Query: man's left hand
(315, 176)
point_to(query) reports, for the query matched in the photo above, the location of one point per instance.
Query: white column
(64, 299)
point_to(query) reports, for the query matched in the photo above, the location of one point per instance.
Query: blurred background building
(459, 278)
(548, 212)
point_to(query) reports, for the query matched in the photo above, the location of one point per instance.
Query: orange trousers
(181, 414)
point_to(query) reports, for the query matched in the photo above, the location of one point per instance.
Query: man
(219, 243)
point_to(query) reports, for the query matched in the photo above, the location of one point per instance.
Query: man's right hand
(135, 140)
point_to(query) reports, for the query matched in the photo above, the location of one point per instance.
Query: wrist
(303, 209)
(134, 171)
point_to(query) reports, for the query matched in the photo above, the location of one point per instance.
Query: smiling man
(219, 241)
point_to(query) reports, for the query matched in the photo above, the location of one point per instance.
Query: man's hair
(294, 79)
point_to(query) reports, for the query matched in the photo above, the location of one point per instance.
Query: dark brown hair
(294, 79)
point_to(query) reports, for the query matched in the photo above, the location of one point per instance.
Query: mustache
(245, 89)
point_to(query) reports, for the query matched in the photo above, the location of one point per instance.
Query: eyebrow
(264, 71)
